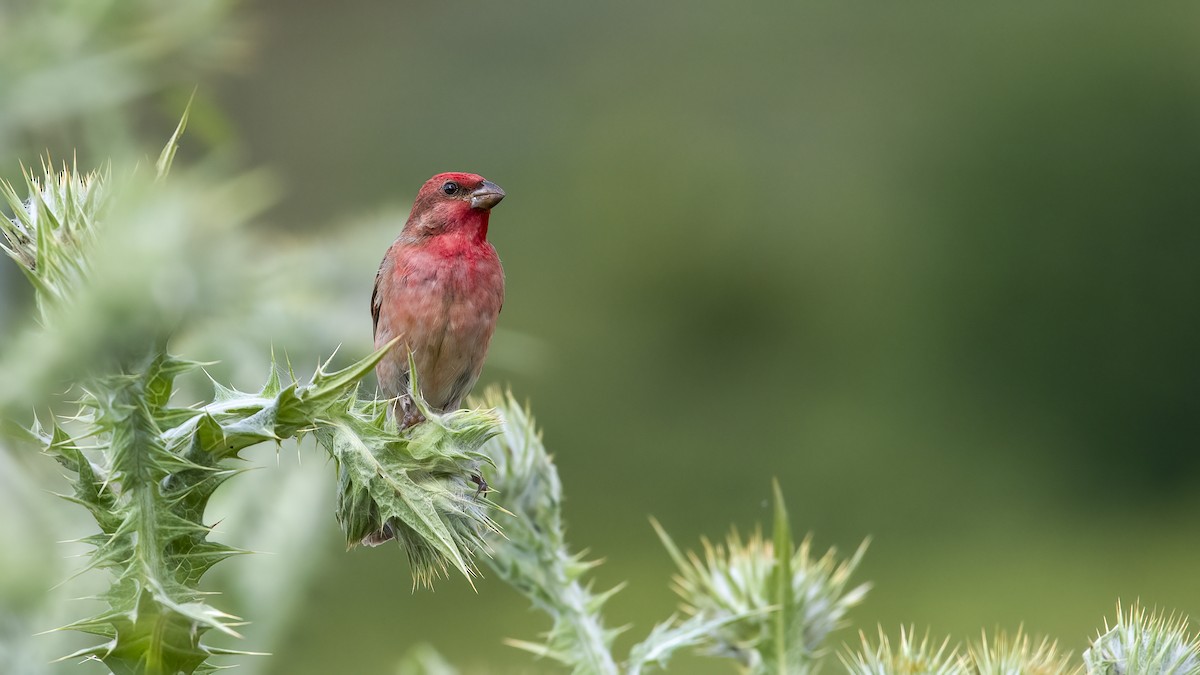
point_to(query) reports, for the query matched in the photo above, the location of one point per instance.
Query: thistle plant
(907, 656)
(533, 557)
(418, 485)
(767, 604)
(1138, 642)
(145, 468)
(129, 264)
(790, 600)
(112, 257)
(1018, 655)
(51, 232)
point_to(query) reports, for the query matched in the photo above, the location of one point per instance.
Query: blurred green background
(934, 266)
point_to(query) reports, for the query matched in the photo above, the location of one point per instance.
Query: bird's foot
(412, 417)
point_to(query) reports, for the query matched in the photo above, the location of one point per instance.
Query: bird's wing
(376, 303)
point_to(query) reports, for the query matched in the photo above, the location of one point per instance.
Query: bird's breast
(470, 274)
(444, 302)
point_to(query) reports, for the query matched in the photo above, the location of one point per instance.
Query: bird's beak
(486, 196)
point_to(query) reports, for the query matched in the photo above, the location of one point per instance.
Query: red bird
(440, 288)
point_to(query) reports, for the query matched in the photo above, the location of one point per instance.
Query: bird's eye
(450, 187)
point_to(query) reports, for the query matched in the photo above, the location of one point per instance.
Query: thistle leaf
(672, 635)
(150, 495)
(167, 156)
(782, 589)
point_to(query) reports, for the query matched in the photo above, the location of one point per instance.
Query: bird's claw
(412, 417)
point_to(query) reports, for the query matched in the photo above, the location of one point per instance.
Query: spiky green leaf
(167, 156)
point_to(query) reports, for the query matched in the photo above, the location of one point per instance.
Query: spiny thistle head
(790, 600)
(53, 228)
(907, 657)
(1018, 655)
(418, 488)
(414, 487)
(1138, 643)
(118, 262)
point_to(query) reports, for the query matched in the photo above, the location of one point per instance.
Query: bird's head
(453, 202)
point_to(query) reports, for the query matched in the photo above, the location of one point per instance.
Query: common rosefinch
(440, 288)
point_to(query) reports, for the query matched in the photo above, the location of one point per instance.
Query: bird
(439, 291)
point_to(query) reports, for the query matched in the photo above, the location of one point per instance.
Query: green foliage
(148, 498)
(119, 261)
(161, 464)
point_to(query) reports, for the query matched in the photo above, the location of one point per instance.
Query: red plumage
(439, 288)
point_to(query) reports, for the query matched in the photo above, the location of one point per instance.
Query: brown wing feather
(376, 302)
